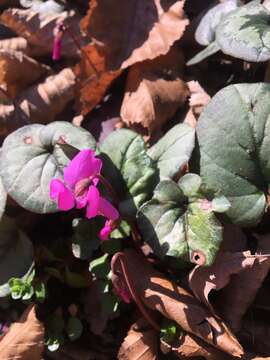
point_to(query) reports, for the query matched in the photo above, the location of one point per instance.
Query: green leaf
(31, 153)
(74, 328)
(173, 150)
(190, 184)
(109, 303)
(211, 49)
(85, 239)
(28, 291)
(234, 149)
(245, 33)
(129, 169)
(221, 204)
(16, 254)
(205, 32)
(40, 291)
(174, 225)
(3, 198)
(168, 331)
(100, 267)
(75, 280)
(54, 341)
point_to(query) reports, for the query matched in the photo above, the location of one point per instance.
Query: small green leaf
(221, 204)
(211, 49)
(74, 328)
(129, 169)
(173, 150)
(54, 341)
(100, 267)
(40, 291)
(109, 303)
(190, 184)
(28, 291)
(168, 331)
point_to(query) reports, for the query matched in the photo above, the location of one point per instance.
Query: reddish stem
(132, 290)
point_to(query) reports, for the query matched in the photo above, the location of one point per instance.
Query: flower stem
(130, 284)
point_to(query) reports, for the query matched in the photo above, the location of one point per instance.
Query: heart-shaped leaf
(178, 226)
(173, 150)
(16, 254)
(234, 149)
(245, 34)
(30, 158)
(3, 198)
(205, 32)
(131, 172)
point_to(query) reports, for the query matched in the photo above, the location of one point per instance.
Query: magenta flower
(79, 189)
(57, 41)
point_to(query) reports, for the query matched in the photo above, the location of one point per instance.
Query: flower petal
(107, 209)
(93, 198)
(82, 166)
(65, 198)
(105, 231)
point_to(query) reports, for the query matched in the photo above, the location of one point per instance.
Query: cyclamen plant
(79, 189)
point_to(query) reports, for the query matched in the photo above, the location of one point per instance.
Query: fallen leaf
(197, 101)
(94, 79)
(145, 29)
(234, 239)
(173, 302)
(44, 101)
(38, 29)
(17, 71)
(202, 280)
(140, 343)
(25, 339)
(240, 293)
(154, 92)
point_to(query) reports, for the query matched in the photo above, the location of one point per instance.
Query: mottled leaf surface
(3, 198)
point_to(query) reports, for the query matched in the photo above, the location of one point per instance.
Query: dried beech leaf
(202, 279)
(25, 339)
(175, 303)
(197, 101)
(17, 71)
(38, 28)
(242, 289)
(94, 78)
(140, 343)
(42, 102)
(154, 92)
(145, 29)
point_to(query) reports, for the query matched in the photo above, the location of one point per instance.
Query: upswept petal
(105, 231)
(93, 199)
(82, 166)
(65, 198)
(107, 209)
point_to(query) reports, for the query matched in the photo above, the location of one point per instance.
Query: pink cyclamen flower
(57, 42)
(79, 189)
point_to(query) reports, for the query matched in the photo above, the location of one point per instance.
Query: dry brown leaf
(43, 102)
(25, 339)
(145, 29)
(154, 92)
(94, 79)
(141, 343)
(198, 100)
(17, 71)
(204, 279)
(174, 302)
(234, 239)
(37, 29)
(240, 293)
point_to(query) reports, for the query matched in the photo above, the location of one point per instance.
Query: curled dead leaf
(202, 279)
(37, 29)
(17, 71)
(145, 29)
(154, 92)
(25, 339)
(240, 293)
(174, 302)
(93, 77)
(141, 343)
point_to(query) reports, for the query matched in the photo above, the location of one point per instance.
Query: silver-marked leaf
(173, 226)
(205, 32)
(16, 254)
(30, 158)
(245, 33)
(234, 143)
(129, 169)
(3, 198)
(173, 150)
(211, 49)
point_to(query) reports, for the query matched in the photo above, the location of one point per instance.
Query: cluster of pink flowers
(79, 190)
